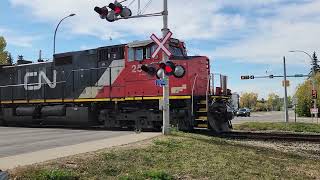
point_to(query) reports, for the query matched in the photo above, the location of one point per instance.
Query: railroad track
(270, 136)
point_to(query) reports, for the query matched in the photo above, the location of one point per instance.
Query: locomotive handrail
(192, 93)
(17, 85)
(207, 92)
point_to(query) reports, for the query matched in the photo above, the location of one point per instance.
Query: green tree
(290, 102)
(248, 100)
(3, 53)
(261, 106)
(274, 102)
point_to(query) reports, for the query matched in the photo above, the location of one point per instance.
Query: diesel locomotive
(107, 87)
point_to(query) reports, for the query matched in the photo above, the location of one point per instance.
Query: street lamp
(55, 32)
(313, 78)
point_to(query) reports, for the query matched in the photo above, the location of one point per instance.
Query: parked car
(243, 112)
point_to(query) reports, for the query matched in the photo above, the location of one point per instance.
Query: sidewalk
(54, 153)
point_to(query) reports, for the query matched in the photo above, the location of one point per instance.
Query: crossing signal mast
(118, 11)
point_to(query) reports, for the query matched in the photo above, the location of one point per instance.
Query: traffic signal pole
(286, 114)
(166, 90)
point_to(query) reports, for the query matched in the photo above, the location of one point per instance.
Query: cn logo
(41, 76)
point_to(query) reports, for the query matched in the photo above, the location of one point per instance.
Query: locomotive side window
(113, 53)
(60, 61)
(103, 54)
(139, 54)
(176, 51)
(131, 54)
(147, 53)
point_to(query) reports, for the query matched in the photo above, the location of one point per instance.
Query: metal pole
(286, 115)
(295, 113)
(166, 108)
(55, 32)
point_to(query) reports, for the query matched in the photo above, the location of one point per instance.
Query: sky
(241, 37)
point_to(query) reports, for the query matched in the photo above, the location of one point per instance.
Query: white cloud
(183, 20)
(17, 39)
(292, 27)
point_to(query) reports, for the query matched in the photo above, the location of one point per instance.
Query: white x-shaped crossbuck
(161, 44)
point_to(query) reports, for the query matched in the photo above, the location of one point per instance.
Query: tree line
(272, 103)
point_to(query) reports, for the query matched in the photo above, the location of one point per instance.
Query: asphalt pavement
(23, 146)
(272, 116)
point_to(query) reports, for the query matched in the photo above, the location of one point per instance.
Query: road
(23, 146)
(272, 116)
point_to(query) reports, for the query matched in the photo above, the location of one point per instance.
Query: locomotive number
(136, 68)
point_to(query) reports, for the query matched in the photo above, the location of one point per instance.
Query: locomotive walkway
(24, 146)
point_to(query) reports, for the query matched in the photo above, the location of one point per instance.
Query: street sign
(286, 83)
(161, 82)
(314, 110)
(161, 44)
(247, 77)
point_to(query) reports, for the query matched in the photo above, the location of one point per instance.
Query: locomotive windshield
(139, 51)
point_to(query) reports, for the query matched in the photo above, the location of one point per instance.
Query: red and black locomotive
(107, 86)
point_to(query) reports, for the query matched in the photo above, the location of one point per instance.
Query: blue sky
(241, 37)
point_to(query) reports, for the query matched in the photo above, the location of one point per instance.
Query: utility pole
(286, 115)
(55, 32)
(166, 108)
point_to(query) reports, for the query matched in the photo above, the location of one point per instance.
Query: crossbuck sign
(161, 44)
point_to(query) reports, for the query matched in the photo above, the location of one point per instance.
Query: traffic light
(314, 94)
(169, 69)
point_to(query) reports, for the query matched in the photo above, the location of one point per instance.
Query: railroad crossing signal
(116, 10)
(168, 68)
(314, 94)
(247, 77)
(286, 83)
(161, 44)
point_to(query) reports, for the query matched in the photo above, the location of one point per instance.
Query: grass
(291, 127)
(179, 156)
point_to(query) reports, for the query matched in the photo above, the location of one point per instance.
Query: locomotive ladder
(200, 107)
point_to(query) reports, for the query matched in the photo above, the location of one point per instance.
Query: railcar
(106, 87)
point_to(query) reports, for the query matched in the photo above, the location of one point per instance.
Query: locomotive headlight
(179, 71)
